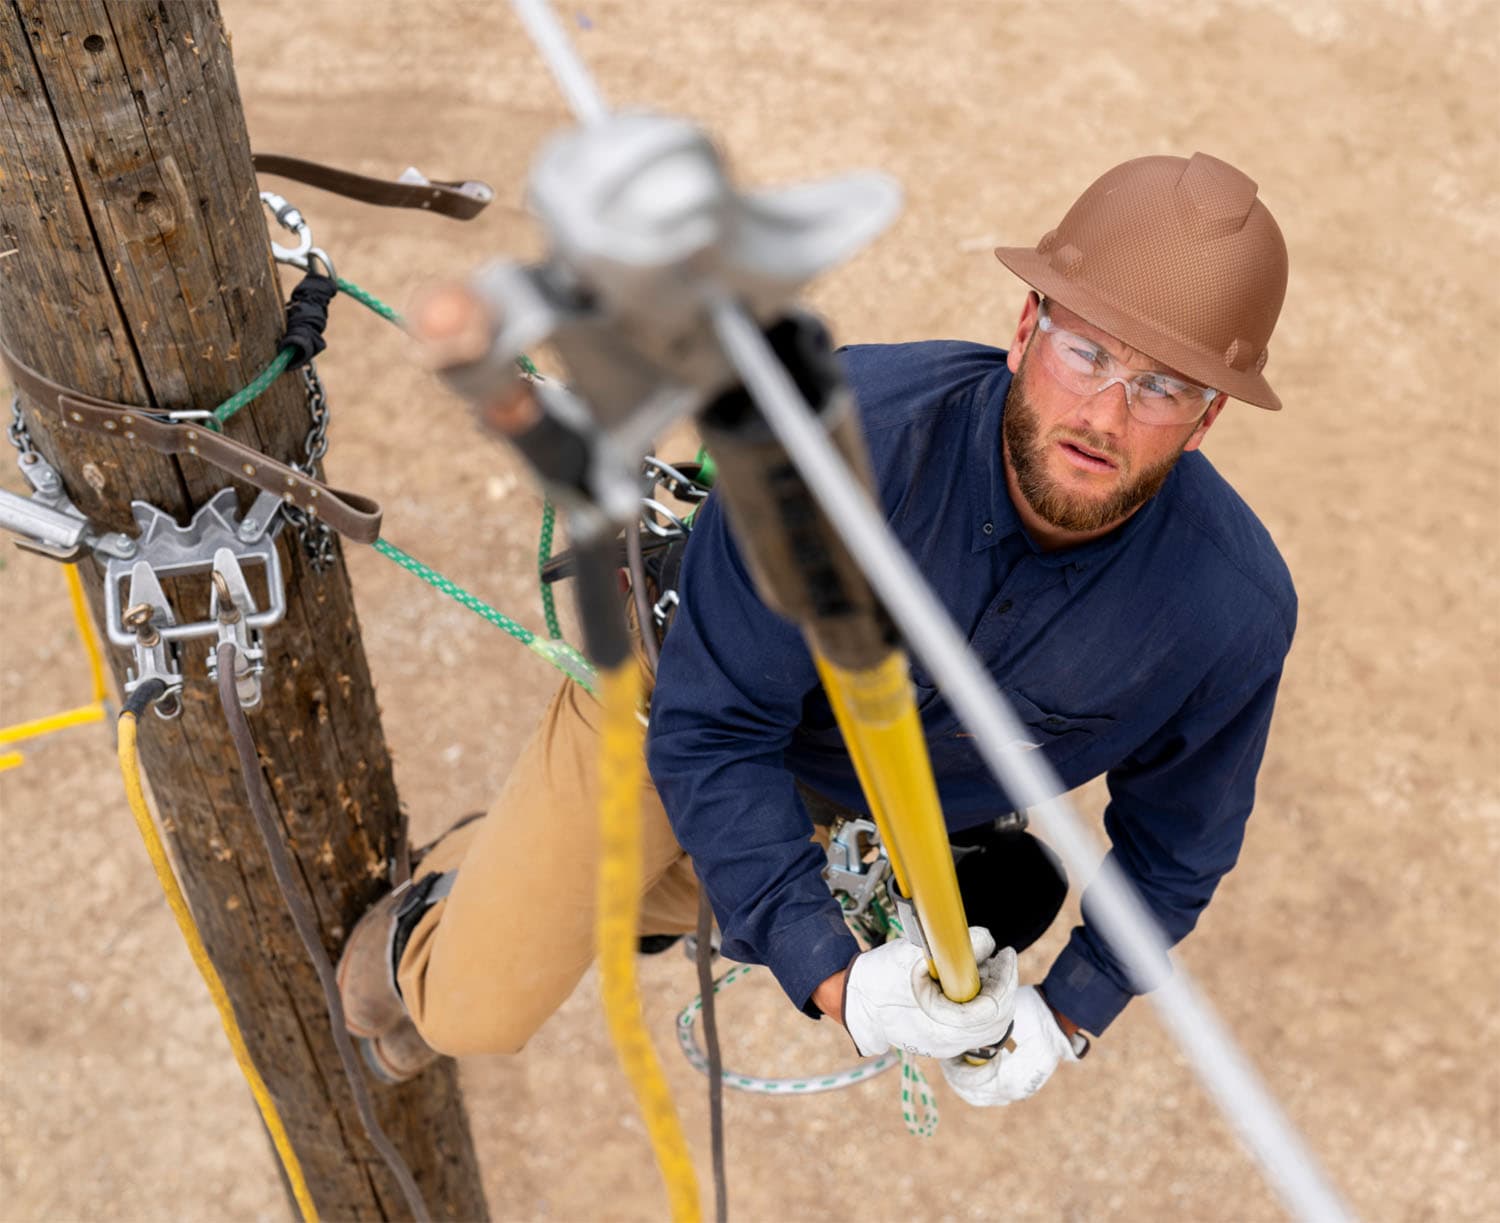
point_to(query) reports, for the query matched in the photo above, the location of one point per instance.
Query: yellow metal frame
(83, 714)
(877, 713)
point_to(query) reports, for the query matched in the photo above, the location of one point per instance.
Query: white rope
(802, 1085)
(1130, 930)
(572, 77)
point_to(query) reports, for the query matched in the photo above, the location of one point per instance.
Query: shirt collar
(993, 516)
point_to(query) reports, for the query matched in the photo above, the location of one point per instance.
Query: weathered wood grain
(143, 274)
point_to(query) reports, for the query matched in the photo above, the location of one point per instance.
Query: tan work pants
(486, 966)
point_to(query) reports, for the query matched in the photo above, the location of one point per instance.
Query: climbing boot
(398, 1054)
(367, 969)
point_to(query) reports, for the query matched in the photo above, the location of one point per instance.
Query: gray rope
(715, 1060)
(643, 617)
(307, 930)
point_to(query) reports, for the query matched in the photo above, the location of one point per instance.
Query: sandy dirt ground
(1351, 949)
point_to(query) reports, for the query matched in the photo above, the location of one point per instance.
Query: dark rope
(715, 1061)
(307, 930)
(643, 618)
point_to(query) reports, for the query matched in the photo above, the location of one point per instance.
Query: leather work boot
(366, 972)
(399, 1054)
(367, 967)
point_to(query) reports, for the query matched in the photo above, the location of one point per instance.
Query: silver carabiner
(315, 254)
(292, 221)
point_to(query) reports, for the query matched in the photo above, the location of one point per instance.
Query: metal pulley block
(217, 543)
(648, 239)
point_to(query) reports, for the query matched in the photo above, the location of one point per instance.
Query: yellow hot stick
(11, 760)
(877, 712)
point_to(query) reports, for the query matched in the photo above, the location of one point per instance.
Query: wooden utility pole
(142, 274)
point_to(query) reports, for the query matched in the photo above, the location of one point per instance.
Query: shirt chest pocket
(1060, 736)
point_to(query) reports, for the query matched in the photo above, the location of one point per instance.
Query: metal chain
(16, 431)
(313, 534)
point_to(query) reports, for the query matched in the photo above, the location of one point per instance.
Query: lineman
(1129, 604)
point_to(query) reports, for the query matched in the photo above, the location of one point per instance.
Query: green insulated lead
(558, 653)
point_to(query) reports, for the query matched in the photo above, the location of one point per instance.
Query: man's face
(1083, 463)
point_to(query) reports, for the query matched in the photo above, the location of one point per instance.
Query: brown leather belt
(350, 514)
(460, 200)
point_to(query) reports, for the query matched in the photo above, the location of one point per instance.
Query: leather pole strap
(353, 516)
(461, 201)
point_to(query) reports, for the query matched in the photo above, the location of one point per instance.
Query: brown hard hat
(1177, 258)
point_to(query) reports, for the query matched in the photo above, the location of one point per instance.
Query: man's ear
(1024, 329)
(1195, 439)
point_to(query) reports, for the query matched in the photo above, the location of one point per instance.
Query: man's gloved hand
(890, 999)
(1012, 1076)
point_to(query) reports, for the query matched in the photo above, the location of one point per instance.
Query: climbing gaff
(803, 570)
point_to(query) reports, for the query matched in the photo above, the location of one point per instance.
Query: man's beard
(1053, 503)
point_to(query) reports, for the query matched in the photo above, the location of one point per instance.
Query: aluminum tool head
(647, 235)
(640, 209)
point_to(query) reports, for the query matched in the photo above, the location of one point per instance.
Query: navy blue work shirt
(1151, 655)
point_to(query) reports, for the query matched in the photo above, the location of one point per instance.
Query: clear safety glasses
(1154, 398)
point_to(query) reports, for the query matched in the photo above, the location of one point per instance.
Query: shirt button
(989, 528)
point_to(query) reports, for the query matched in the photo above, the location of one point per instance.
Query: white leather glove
(891, 999)
(1013, 1076)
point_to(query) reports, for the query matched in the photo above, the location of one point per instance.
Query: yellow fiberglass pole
(803, 570)
(877, 712)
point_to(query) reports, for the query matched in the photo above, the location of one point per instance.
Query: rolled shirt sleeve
(730, 689)
(1176, 821)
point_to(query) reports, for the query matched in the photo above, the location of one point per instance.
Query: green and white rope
(766, 1086)
(914, 1089)
(558, 653)
(367, 299)
(253, 389)
(549, 608)
(543, 555)
(914, 1082)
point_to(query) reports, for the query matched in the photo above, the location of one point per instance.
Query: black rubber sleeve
(140, 700)
(601, 608)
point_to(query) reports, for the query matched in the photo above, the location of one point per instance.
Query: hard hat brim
(1210, 369)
